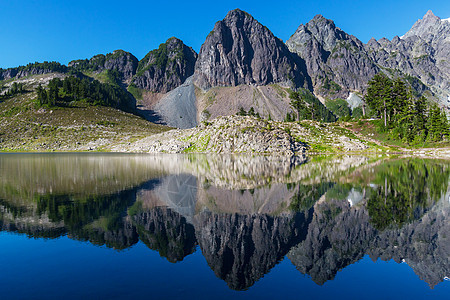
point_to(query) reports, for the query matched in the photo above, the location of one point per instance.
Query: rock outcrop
(121, 61)
(339, 63)
(165, 68)
(231, 134)
(240, 50)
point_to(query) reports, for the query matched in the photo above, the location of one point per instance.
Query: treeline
(308, 107)
(15, 89)
(405, 117)
(33, 69)
(62, 92)
(46, 65)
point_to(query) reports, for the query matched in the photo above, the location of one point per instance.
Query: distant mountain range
(242, 65)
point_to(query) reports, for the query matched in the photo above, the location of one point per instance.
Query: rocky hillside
(165, 68)
(78, 127)
(32, 69)
(240, 50)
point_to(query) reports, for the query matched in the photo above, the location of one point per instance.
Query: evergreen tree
(379, 96)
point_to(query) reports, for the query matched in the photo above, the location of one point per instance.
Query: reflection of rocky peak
(340, 235)
(337, 237)
(243, 248)
(424, 244)
(240, 50)
(166, 231)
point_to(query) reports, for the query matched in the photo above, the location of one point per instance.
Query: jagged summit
(240, 50)
(430, 16)
(239, 13)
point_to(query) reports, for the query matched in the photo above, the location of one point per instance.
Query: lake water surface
(107, 226)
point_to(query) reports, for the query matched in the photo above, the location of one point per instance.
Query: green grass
(24, 127)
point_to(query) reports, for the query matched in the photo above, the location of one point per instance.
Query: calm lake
(107, 226)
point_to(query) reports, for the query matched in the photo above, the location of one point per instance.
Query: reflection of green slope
(405, 190)
(307, 195)
(98, 219)
(24, 175)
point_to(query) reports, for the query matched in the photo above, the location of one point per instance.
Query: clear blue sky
(63, 30)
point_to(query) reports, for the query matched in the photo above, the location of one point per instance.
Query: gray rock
(239, 50)
(336, 61)
(423, 52)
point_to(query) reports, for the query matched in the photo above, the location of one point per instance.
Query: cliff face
(121, 61)
(239, 50)
(337, 62)
(166, 68)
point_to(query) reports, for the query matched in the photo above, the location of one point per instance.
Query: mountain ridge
(243, 55)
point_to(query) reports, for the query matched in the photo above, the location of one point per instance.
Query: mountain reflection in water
(245, 214)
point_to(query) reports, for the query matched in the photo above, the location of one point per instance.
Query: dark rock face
(123, 62)
(337, 62)
(241, 249)
(239, 50)
(166, 68)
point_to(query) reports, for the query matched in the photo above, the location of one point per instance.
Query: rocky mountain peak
(237, 14)
(335, 60)
(429, 16)
(167, 67)
(428, 26)
(325, 32)
(240, 50)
